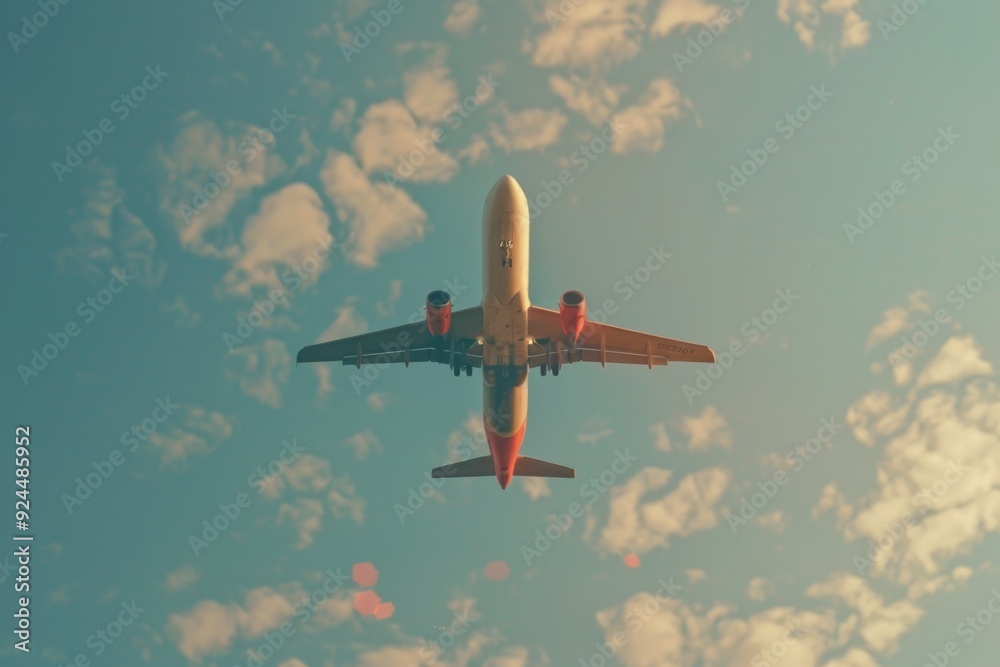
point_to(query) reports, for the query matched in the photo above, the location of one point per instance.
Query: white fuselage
(505, 323)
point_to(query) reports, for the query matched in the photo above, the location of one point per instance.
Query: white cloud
(343, 116)
(108, 236)
(362, 443)
(775, 522)
(210, 627)
(959, 358)
(592, 98)
(344, 500)
(261, 370)
(674, 14)
(667, 632)
(809, 19)
(638, 525)
(379, 217)
(597, 34)
(707, 429)
(528, 130)
(378, 401)
(308, 473)
(463, 16)
(644, 123)
(182, 578)
(180, 312)
(536, 487)
(199, 149)
(307, 515)
(475, 151)
(939, 475)
(660, 438)
(881, 625)
(893, 321)
(428, 89)
(291, 229)
(391, 141)
(193, 430)
(759, 589)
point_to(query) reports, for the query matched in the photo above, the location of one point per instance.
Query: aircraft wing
(606, 344)
(405, 343)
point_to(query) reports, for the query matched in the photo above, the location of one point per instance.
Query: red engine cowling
(572, 314)
(438, 313)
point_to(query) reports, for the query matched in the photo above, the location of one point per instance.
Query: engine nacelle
(438, 313)
(572, 314)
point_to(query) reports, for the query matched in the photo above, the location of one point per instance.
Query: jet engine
(572, 314)
(438, 313)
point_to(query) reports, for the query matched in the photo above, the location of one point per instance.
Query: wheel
(544, 370)
(555, 370)
(457, 370)
(468, 370)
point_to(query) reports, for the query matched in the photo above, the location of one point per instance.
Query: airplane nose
(504, 478)
(506, 191)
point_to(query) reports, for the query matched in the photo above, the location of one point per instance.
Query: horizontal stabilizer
(526, 467)
(478, 467)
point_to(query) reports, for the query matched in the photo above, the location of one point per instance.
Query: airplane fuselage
(505, 324)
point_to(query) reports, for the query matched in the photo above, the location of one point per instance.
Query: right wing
(406, 343)
(604, 343)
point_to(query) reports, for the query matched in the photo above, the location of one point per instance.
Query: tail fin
(478, 467)
(483, 467)
(526, 467)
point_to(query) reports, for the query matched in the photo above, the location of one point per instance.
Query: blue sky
(828, 494)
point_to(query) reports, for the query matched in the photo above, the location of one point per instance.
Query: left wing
(606, 344)
(407, 343)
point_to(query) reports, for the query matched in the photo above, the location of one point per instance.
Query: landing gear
(544, 369)
(456, 369)
(468, 370)
(555, 370)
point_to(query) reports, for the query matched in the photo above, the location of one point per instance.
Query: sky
(194, 191)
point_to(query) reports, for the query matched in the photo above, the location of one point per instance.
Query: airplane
(505, 336)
